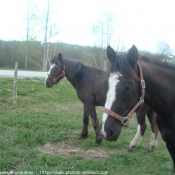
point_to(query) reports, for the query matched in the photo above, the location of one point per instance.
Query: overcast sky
(139, 22)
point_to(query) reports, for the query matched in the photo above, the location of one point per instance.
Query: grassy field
(40, 136)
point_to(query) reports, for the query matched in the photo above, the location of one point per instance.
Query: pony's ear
(60, 58)
(111, 54)
(133, 55)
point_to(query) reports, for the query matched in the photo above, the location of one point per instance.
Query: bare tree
(163, 49)
(50, 30)
(103, 29)
(30, 19)
(120, 45)
(102, 32)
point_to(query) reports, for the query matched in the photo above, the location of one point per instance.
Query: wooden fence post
(15, 85)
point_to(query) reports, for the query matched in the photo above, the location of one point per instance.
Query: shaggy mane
(54, 60)
(158, 62)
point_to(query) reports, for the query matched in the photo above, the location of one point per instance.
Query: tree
(163, 49)
(120, 45)
(102, 32)
(50, 29)
(103, 29)
(30, 19)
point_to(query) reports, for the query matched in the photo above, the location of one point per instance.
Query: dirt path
(66, 150)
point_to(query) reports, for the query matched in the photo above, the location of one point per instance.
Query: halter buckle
(125, 121)
(54, 80)
(143, 84)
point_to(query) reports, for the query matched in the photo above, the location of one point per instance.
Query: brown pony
(88, 82)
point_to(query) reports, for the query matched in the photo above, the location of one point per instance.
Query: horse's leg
(84, 132)
(140, 114)
(167, 132)
(95, 122)
(172, 152)
(155, 131)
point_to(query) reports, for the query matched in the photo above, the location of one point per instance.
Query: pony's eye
(128, 87)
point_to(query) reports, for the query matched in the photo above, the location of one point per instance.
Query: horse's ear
(111, 54)
(60, 57)
(133, 55)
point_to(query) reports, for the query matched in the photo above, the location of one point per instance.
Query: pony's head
(123, 91)
(56, 72)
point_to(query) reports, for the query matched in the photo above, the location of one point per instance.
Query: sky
(143, 23)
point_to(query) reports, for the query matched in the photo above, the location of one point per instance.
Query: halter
(54, 80)
(125, 120)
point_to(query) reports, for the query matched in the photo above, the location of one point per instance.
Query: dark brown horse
(133, 80)
(89, 84)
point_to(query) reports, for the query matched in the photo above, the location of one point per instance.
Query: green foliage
(15, 51)
(54, 116)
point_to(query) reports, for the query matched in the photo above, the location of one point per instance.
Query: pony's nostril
(110, 132)
(47, 84)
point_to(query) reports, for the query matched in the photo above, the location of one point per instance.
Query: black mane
(158, 62)
(123, 66)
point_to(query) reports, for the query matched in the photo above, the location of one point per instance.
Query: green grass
(54, 116)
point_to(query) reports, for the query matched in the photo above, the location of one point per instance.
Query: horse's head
(123, 91)
(56, 72)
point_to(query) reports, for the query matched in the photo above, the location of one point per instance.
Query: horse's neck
(70, 70)
(159, 92)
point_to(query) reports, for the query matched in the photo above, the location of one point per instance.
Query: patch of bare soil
(71, 107)
(2, 100)
(65, 150)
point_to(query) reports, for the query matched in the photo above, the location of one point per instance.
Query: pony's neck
(71, 68)
(160, 93)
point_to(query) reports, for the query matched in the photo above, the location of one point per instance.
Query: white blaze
(51, 66)
(111, 96)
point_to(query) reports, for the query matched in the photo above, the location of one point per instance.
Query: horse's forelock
(126, 69)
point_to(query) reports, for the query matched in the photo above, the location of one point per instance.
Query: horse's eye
(128, 87)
